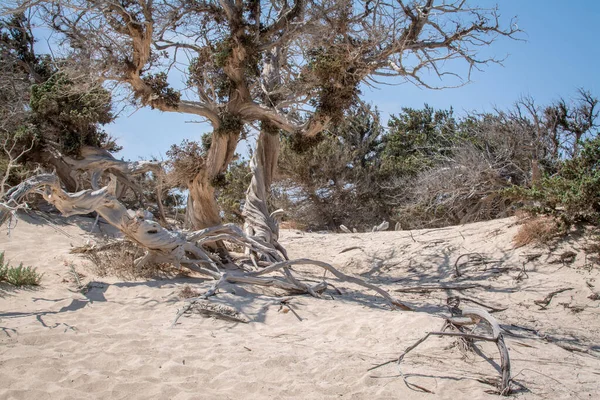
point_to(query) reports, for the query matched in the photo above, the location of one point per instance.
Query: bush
(18, 276)
(573, 193)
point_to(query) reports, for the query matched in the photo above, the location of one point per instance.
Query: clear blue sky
(560, 54)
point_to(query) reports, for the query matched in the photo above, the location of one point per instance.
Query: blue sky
(560, 53)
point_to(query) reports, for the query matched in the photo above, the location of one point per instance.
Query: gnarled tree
(290, 67)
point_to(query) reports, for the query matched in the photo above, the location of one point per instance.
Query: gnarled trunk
(202, 209)
(259, 222)
(177, 247)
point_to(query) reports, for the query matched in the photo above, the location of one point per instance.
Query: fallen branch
(350, 248)
(186, 249)
(207, 308)
(545, 302)
(475, 258)
(475, 316)
(430, 288)
(341, 276)
(591, 350)
(491, 309)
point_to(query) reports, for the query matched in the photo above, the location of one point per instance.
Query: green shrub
(573, 193)
(18, 276)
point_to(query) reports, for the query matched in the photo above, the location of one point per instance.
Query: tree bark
(202, 210)
(268, 150)
(259, 222)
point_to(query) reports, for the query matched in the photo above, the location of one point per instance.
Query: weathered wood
(475, 315)
(178, 247)
(341, 276)
(545, 302)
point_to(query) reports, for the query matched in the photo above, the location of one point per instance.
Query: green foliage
(51, 107)
(573, 193)
(418, 139)
(232, 191)
(18, 276)
(70, 115)
(160, 87)
(334, 69)
(211, 62)
(357, 174)
(335, 179)
(230, 123)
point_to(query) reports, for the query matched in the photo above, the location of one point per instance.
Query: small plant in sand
(187, 292)
(18, 276)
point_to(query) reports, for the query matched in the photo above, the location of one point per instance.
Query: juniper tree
(283, 67)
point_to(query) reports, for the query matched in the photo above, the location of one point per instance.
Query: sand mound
(113, 340)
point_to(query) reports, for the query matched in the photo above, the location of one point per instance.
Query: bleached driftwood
(344, 229)
(184, 248)
(258, 221)
(471, 316)
(381, 227)
(97, 162)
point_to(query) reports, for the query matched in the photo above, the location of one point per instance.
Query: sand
(115, 340)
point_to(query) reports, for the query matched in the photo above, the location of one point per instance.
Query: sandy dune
(115, 341)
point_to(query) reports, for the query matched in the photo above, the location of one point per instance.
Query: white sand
(115, 341)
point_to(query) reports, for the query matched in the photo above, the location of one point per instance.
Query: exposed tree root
(431, 288)
(545, 302)
(472, 258)
(185, 248)
(473, 316)
(270, 264)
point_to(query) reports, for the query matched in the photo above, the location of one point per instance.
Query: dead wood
(475, 258)
(571, 345)
(474, 316)
(430, 288)
(208, 309)
(545, 302)
(341, 276)
(186, 249)
(491, 309)
(344, 229)
(351, 248)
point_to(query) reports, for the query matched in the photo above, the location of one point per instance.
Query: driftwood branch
(474, 315)
(182, 248)
(545, 302)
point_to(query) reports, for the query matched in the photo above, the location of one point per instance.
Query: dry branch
(204, 307)
(183, 248)
(475, 315)
(430, 288)
(545, 302)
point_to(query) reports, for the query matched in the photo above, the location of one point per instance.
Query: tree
(287, 67)
(45, 108)
(418, 139)
(339, 179)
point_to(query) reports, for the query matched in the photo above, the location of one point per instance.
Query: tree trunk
(268, 150)
(202, 209)
(259, 223)
(65, 172)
